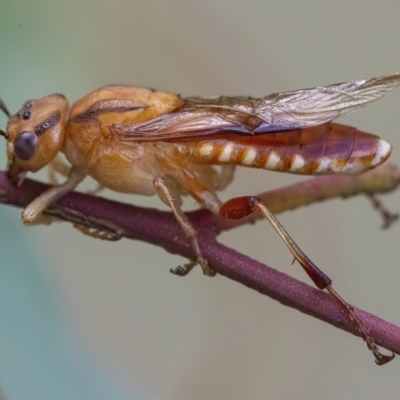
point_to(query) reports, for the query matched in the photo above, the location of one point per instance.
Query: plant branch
(384, 179)
(160, 228)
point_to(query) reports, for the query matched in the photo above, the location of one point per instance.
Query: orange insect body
(127, 167)
(137, 140)
(177, 138)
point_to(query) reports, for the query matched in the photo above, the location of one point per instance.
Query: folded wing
(202, 117)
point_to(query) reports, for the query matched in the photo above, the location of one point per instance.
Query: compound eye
(24, 145)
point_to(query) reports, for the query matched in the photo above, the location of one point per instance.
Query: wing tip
(389, 82)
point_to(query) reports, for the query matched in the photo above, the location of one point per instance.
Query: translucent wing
(204, 116)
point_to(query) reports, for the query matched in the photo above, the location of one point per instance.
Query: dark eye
(24, 145)
(26, 115)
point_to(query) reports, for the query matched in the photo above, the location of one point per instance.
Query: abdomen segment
(323, 149)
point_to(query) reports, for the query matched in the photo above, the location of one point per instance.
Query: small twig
(160, 228)
(383, 179)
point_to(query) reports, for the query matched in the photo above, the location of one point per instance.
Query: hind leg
(243, 206)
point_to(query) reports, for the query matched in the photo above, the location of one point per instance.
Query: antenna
(4, 108)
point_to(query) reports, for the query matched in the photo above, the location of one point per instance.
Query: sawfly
(142, 141)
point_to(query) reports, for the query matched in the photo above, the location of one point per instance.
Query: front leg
(58, 166)
(37, 206)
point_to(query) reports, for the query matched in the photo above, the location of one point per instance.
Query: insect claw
(388, 217)
(390, 220)
(28, 216)
(183, 270)
(382, 359)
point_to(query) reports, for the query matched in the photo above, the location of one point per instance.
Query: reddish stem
(160, 228)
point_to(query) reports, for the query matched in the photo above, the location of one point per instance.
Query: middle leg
(167, 196)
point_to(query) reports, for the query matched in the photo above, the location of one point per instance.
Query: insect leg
(99, 233)
(96, 190)
(388, 217)
(226, 175)
(166, 195)
(242, 206)
(37, 206)
(58, 166)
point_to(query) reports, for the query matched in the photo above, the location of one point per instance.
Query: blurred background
(85, 319)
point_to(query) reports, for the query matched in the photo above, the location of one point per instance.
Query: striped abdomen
(323, 149)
